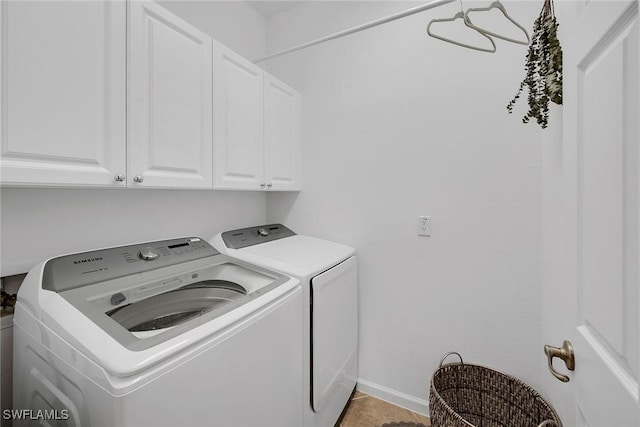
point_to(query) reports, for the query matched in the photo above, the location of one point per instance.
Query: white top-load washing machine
(328, 274)
(162, 333)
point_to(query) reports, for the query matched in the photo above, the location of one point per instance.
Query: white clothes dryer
(328, 274)
(167, 333)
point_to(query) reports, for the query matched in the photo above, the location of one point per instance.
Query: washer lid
(296, 255)
(162, 304)
(79, 316)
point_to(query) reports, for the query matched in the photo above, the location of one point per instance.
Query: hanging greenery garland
(543, 68)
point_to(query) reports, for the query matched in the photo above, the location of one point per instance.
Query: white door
(238, 155)
(63, 92)
(596, 300)
(281, 135)
(170, 100)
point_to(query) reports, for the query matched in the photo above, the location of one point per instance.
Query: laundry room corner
(316, 213)
(396, 125)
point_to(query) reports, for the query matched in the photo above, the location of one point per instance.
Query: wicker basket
(463, 395)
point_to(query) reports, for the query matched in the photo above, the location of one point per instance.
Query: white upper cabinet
(238, 116)
(281, 135)
(256, 127)
(125, 94)
(170, 100)
(62, 74)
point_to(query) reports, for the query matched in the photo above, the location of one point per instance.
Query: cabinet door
(238, 155)
(170, 100)
(281, 135)
(62, 86)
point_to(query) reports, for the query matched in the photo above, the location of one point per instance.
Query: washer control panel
(76, 270)
(243, 237)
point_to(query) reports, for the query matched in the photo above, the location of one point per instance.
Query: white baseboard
(403, 400)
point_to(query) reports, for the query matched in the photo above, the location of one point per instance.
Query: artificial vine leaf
(543, 68)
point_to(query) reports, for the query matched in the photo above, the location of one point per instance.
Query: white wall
(41, 223)
(395, 125)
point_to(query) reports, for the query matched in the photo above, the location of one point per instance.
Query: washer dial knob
(263, 232)
(148, 254)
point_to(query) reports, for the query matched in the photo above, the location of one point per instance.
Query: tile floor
(367, 411)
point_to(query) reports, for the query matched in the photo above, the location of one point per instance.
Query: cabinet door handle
(262, 185)
(138, 179)
(269, 185)
(120, 177)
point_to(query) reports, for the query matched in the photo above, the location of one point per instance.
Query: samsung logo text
(82, 261)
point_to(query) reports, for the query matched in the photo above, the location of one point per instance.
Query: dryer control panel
(243, 237)
(86, 268)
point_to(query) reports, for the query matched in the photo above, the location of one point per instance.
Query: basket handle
(457, 354)
(548, 423)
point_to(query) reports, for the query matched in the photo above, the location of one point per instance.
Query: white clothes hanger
(461, 15)
(496, 5)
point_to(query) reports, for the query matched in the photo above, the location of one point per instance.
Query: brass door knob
(565, 353)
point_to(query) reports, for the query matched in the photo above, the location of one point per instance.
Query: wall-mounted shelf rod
(359, 28)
